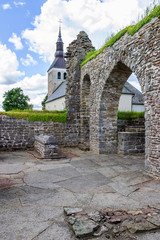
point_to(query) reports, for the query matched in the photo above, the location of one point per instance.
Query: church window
(59, 75)
(64, 76)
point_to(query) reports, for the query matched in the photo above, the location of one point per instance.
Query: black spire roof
(59, 61)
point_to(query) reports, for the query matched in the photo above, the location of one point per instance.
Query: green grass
(130, 115)
(130, 30)
(44, 116)
(59, 116)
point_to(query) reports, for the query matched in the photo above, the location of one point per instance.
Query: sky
(29, 31)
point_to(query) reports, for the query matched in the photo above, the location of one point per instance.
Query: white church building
(56, 79)
(130, 100)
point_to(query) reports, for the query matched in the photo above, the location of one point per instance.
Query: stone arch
(85, 111)
(108, 107)
(139, 54)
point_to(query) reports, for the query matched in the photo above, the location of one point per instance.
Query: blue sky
(29, 30)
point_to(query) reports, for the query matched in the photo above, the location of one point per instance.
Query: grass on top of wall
(44, 116)
(130, 30)
(130, 115)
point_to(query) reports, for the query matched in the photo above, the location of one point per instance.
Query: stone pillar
(152, 130)
(75, 54)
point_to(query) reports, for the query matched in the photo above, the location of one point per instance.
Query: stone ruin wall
(93, 93)
(19, 134)
(103, 78)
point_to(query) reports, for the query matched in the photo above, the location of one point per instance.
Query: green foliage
(44, 116)
(130, 115)
(43, 102)
(130, 30)
(15, 99)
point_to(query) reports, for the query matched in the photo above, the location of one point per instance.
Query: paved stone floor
(33, 192)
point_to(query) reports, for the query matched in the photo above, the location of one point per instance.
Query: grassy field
(130, 115)
(44, 116)
(59, 116)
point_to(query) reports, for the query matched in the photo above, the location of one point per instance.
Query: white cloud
(42, 39)
(88, 15)
(6, 6)
(9, 66)
(16, 41)
(19, 3)
(35, 87)
(28, 61)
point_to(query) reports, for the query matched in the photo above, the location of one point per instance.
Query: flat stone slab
(51, 176)
(12, 168)
(45, 139)
(132, 178)
(146, 196)
(85, 183)
(149, 236)
(123, 189)
(33, 208)
(114, 201)
(84, 164)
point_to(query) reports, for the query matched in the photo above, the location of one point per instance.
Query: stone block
(46, 146)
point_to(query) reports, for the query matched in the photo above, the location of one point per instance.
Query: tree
(15, 99)
(43, 102)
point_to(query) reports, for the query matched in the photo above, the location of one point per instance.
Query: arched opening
(64, 76)
(112, 91)
(85, 112)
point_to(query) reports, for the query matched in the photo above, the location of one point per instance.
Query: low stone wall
(20, 134)
(124, 124)
(131, 142)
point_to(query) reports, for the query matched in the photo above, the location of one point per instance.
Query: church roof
(59, 92)
(58, 63)
(137, 95)
(128, 88)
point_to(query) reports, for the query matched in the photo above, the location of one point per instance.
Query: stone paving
(35, 192)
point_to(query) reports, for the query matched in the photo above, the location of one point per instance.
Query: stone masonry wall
(124, 125)
(74, 56)
(108, 73)
(20, 134)
(131, 142)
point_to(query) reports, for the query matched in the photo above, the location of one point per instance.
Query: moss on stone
(130, 30)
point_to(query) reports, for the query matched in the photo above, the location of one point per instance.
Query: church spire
(59, 44)
(59, 61)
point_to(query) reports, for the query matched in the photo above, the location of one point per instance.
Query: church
(57, 79)
(131, 99)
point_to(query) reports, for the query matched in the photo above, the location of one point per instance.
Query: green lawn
(45, 116)
(130, 115)
(59, 116)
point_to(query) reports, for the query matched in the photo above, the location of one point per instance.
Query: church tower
(57, 70)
